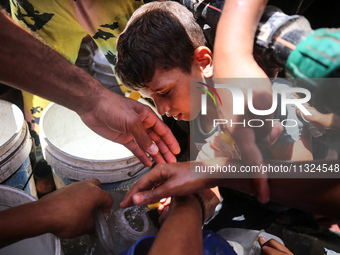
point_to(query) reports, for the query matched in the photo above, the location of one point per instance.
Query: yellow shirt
(62, 24)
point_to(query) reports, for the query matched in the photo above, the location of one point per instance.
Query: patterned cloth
(62, 24)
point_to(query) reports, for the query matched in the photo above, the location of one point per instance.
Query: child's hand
(218, 145)
(163, 209)
(272, 247)
(320, 120)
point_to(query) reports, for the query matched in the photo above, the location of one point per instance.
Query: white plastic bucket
(76, 153)
(15, 146)
(245, 241)
(46, 244)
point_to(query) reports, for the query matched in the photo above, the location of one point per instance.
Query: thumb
(150, 196)
(106, 202)
(262, 240)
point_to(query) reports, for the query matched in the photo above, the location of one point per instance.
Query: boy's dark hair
(158, 35)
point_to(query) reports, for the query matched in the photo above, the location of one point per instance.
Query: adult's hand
(67, 212)
(169, 179)
(71, 208)
(134, 125)
(110, 115)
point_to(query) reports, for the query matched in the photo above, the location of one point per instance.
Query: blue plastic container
(213, 244)
(141, 247)
(15, 146)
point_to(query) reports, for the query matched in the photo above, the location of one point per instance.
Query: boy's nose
(162, 107)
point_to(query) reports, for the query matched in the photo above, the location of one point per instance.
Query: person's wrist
(94, 96)
(200, 200)
(210, 198)
(47, 214)
(334, 122)
(189, 202)
(39, 214)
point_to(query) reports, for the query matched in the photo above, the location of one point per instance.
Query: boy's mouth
(178, 117)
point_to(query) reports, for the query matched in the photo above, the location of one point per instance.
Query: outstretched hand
(72, 207)
(134, 125)
(67, 212)
(164, 180)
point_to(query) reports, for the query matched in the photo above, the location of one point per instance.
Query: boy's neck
(207, 121)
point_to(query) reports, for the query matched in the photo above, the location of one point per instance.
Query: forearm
(182, 227)
(300, 150)
(235, 37)
(30, 65)
(22, 222)
(335, 123)
(309, 194)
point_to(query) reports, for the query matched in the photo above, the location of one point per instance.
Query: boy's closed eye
(166, 93)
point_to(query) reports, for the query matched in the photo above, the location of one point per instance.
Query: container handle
(33, 159)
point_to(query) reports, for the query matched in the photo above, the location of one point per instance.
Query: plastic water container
(15, 146)
(46, 244)
(213, 244)
(111, 238)
(76, 153)
(245, 241)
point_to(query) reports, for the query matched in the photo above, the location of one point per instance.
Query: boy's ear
(204, 59)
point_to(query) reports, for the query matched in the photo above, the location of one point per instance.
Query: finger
(148, 181)
(160, 208)
(201, 156)
(251, 155)
(142, 138)
(151, 196)
(167, 136)
(94, 181)
(205, 153)
(158, 158)
(167, 201)
(163, 215)
(105, 202)
(139, 153)
(276, 245)
(262, 240)
(128, 141)
(163, 148)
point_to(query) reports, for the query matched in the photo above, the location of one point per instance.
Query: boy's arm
(233, 58)
(185, 212)
(320, 120)
(297, 151)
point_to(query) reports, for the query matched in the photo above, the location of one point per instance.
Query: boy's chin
(191, 117)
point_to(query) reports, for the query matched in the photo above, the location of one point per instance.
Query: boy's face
(170, 90)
